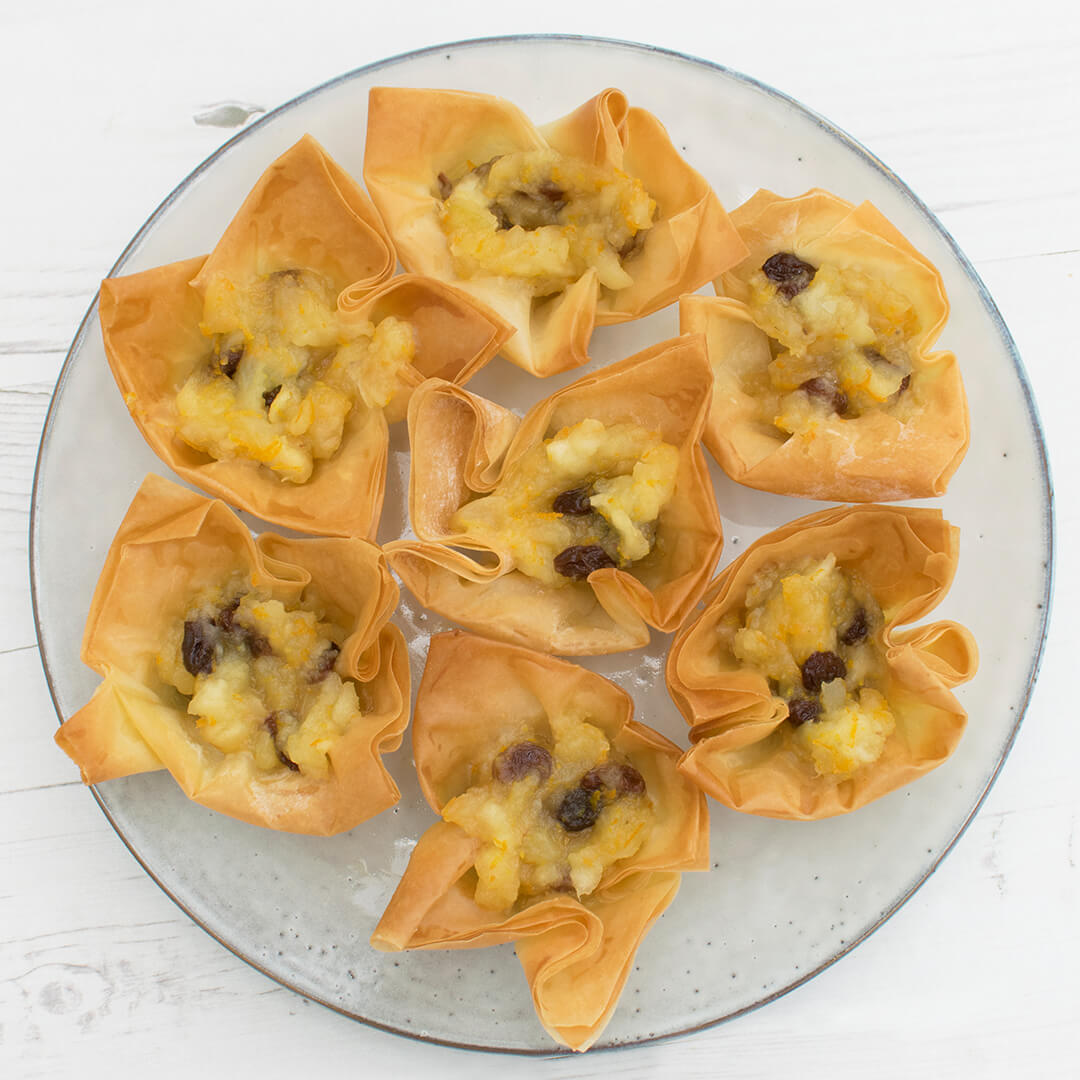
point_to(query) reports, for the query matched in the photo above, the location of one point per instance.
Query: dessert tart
(565, 826)
(592, 219)
(820, 344)
(262, 673)
(576, 529)
(806, 693)
(266, 373)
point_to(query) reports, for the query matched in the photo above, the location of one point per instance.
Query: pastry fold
(173, 542)
(740, 754)
(872, 457)
(576, 953)
(415, 135)
(305, 212)
(462, 445)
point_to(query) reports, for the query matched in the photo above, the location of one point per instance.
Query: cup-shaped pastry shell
(576, 953)
(172, 543)
(741, 751)
(868, 458)
(462, 444)
(414, 135)
(304, 211)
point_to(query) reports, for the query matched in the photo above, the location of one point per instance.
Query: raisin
(445, 187)
(578, 810)
(857, 629)
(197, 649)
(482, 170)
(325, 663)
(271, 725)
(789, 272)
(553, 193)
(802, 711)
(622, 779)
(228, 361)
(822, 667)
(574, 502)
(269, 395)
(633, 245)
(257, 644)
(519, 761)
(905, 382)
(825, 389)
(502, 219)
(579, 561)
(226, 615)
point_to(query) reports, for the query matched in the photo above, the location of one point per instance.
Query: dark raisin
(197, 649)
(482, 170)
(905, 382)
(802, 711)
(822, 667)
(622, 779)
(228, 361)
(445, 187)
(269, 395)
(789, 272)
(502, 219)
(578, 810)
(633, 245)
(553, 193)
(325, 663)
(519, 761)
(825, 389)
(257, 644)
(271, 725)
(226, 615)
(579, 561)
(574, 502)
(857, 629)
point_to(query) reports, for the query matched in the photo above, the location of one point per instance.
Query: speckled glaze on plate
(783, 900)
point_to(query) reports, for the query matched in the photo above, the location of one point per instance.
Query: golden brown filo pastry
(806, 696)
(826, 385)
(591, 519)
(263, 674)
(565, 826)
(594, 218)
(266, 373)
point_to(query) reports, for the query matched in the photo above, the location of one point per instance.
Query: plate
(783, 899)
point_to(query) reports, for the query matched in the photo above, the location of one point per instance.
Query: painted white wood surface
(979, 974)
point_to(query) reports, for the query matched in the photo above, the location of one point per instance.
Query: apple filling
(544, 219)
(839, 344)
(813, 629)
(586, 499)
(284, 372)
(552, 812)
(261, 677)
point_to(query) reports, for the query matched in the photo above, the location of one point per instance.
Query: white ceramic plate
(782, 899)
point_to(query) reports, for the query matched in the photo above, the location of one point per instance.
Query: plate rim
(1049, 522)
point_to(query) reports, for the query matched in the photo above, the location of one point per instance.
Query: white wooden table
(105, 108)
